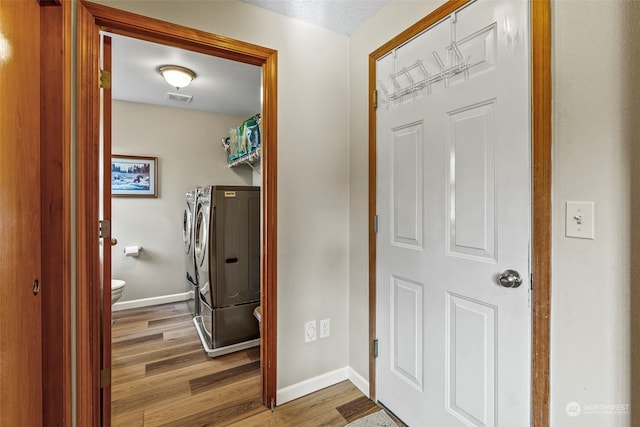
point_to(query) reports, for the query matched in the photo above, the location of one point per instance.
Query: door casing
(56, 200)
(540, 193)
(91, 19)
(105, 310)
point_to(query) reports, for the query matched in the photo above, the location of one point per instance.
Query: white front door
(453, 206)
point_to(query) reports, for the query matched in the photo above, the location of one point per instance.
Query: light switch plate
(580, 221)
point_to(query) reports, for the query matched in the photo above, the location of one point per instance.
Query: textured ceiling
(341, 16)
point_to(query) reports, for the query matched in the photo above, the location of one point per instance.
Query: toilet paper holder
(133, 250)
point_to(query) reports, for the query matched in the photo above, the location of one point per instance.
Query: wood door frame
(92, 18)
(55, 146)
(105, 310)
(540, 193)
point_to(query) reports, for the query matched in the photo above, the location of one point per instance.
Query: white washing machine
(188, 237)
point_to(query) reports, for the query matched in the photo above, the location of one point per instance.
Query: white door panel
(406, 359)
(406, 186)
(470, 371)
(471, 188)
(453, 192)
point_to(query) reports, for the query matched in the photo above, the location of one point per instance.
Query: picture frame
(134, 176)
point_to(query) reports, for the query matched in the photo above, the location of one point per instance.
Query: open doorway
(91, 20)
(155, 346)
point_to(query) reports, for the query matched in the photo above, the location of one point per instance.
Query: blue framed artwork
(134, 176)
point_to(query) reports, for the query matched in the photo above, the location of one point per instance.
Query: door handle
(509, 279)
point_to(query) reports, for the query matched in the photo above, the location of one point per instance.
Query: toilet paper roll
(132, 250)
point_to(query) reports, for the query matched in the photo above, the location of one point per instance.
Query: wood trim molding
(541, 209)
(55, 145)
(373, 173)
(154, 30)
(268, 286)
(541, 194)
(91, 19)
(88, 262)
(105, 309)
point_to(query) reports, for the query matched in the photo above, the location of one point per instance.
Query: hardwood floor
(161, 377)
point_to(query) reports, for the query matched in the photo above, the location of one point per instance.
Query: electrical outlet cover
(324, 328)
(310, 331)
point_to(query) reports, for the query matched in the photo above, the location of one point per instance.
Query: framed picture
(134, 176)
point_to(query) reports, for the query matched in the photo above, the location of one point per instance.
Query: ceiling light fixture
(177, 76)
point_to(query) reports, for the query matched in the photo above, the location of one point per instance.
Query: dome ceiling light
(176, 75)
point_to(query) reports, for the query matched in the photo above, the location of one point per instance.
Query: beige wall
(187, 144)
(313, 181)
(595, 129)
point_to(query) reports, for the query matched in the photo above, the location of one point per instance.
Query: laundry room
(173, 322)
(188, 145)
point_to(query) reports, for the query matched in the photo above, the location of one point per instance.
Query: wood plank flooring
(161, 377)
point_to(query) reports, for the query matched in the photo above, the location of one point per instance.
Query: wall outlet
(310, 331)
(325, 328)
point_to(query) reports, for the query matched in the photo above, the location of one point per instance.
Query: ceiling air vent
(178, 97)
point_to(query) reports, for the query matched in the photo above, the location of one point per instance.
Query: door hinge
(273, 404)
(375, 224)
(105, 79)
(375, 98)
(375, 348)
(104, 229)
(105, 377)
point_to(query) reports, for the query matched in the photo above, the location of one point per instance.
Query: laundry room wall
(313, 181)
(187, 145)
(256, 173)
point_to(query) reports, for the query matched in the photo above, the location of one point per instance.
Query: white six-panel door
(453, 194)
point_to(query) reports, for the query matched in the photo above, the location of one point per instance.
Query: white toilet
(117, 288)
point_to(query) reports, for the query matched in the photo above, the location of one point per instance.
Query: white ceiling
(221, 86)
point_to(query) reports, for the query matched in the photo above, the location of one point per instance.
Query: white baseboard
(311, 385)
(146, 302)
(359, 381)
